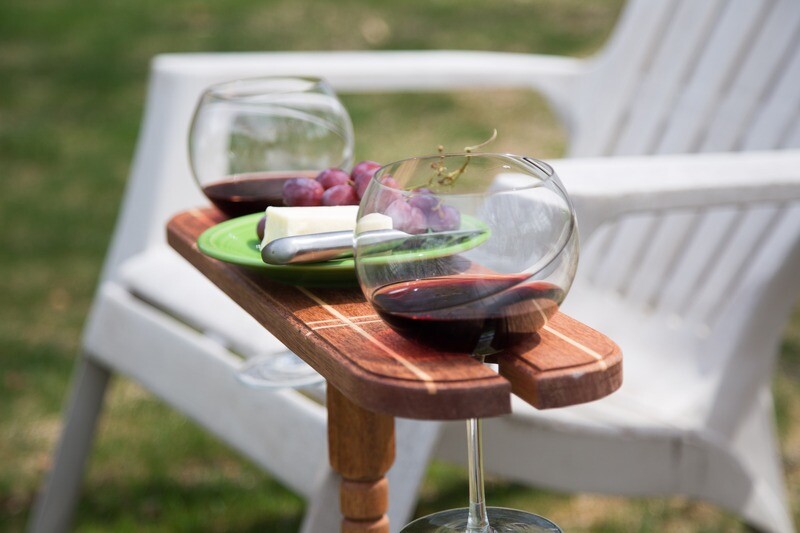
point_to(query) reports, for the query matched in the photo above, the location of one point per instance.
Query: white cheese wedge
(374, 221)
(291, 221)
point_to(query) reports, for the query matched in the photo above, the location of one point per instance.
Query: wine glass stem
(478, 521)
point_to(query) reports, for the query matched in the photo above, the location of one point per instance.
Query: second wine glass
(246, 139)
(249, 136)
(488, 253)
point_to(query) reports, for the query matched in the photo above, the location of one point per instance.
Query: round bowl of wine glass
(487, 250)
(249, 136)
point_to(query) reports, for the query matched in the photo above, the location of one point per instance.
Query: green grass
(73, 84)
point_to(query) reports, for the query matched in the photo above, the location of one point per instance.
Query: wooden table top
(338, 333)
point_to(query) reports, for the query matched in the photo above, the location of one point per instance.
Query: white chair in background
(691, 269)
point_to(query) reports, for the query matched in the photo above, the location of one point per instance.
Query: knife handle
(309, 248)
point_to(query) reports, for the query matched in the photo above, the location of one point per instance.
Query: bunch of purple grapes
(420, 211)
(333, 186)
(417, 212)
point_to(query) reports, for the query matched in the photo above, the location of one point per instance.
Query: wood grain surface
(338, 333)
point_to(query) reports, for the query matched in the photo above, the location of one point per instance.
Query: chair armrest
(603, 189)
(396, 71)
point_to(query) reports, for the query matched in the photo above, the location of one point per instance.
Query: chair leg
(53, 508)
(757, 446)
(322, 511)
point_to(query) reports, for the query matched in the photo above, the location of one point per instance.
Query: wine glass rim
(276, 85)
(541, 168)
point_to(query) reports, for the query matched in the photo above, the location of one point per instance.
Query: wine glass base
(501, 520)
(277, 371)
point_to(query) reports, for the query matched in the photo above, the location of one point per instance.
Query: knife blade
(317, 247)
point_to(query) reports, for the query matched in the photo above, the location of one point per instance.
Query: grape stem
(444, 178)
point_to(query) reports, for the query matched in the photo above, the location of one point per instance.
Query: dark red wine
(468, 312)
(251, 193)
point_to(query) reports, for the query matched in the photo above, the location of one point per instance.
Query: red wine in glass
(253, 192)
(468, 312)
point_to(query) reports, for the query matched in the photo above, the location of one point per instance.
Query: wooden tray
(338, 333)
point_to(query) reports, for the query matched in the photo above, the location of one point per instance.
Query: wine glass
(249, 136)
(246, 139)
(488, 252)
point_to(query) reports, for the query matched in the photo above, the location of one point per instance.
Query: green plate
(235, 241)
(467, 223)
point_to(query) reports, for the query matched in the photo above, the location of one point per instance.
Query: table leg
(361, 449)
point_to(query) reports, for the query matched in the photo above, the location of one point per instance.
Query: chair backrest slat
(623, 252)
(611, 85)
(685, 76)
(779, 250)
(593, 251)
(723, 279)
(777, 120)
(763, 66)
(753, 315)
(716, 68)
(792, 140)
(698, 252)
(662, 84)
(658, 265)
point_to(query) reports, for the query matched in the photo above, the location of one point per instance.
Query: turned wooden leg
(361, 445)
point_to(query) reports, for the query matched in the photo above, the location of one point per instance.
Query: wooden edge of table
(569, 363)
(597, 375)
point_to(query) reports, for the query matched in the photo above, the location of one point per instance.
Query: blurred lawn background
(72, 86)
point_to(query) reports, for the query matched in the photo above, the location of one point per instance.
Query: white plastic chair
(694, 416)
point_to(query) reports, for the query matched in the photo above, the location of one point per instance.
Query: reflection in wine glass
(483, 298)
(246, 139)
